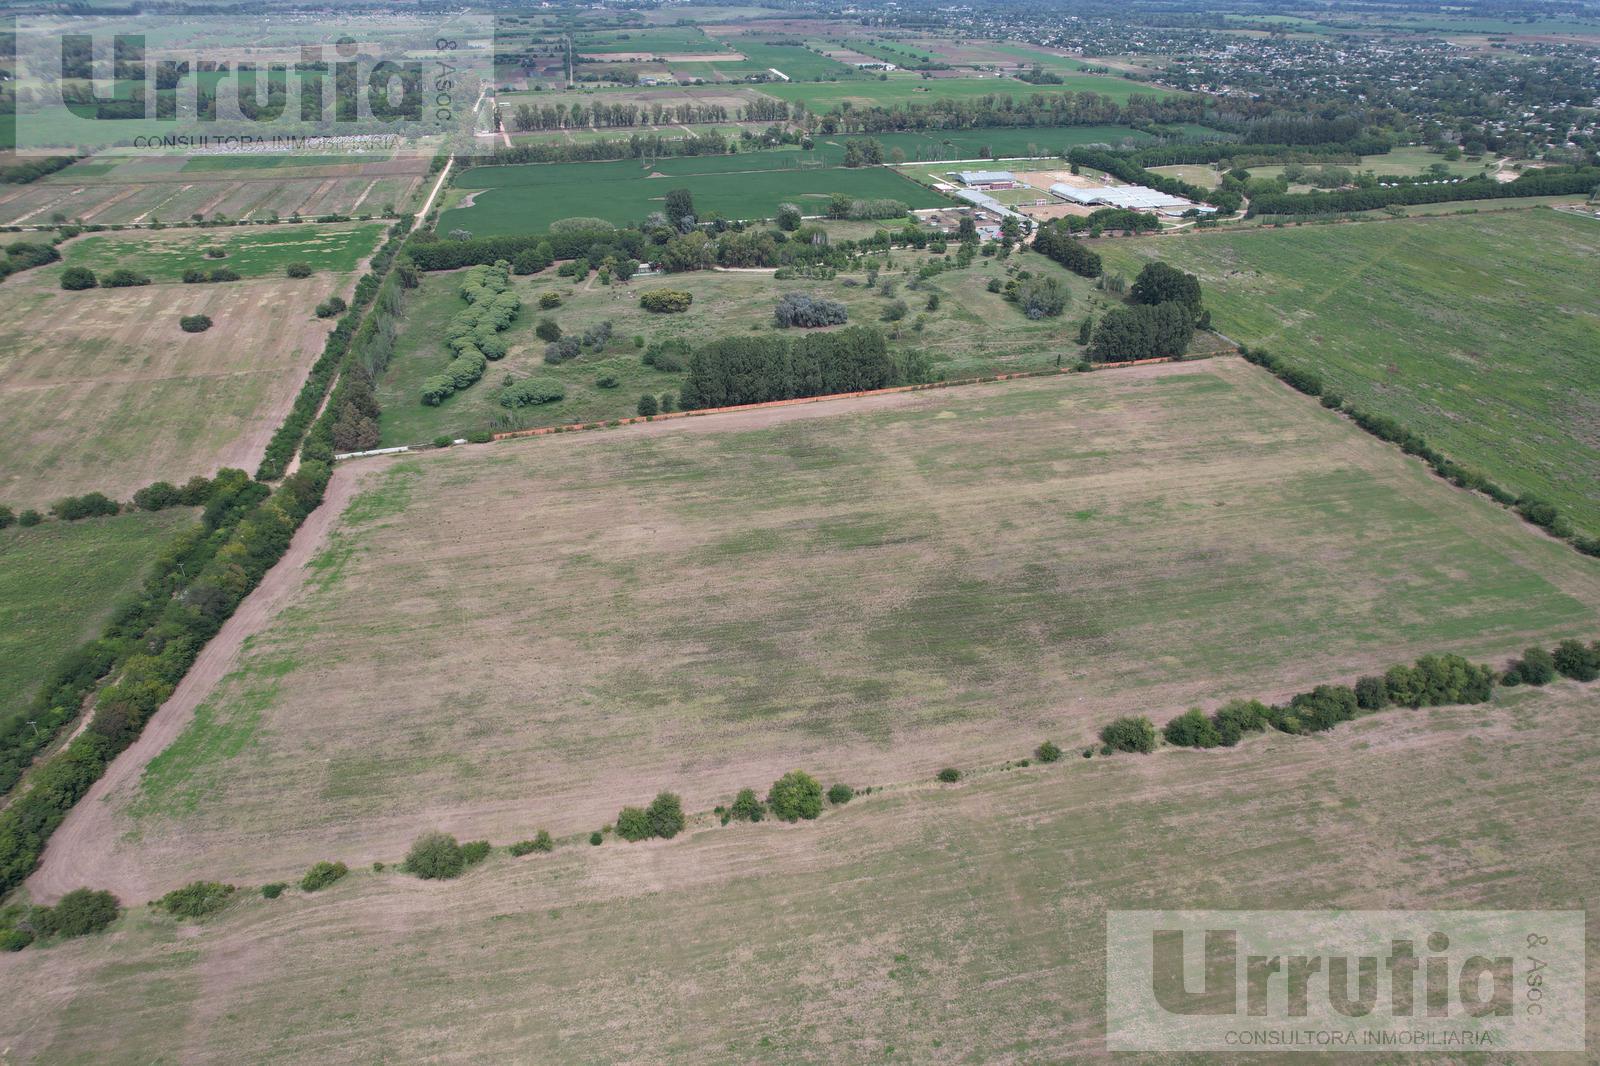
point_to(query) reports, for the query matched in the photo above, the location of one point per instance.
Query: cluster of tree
(24, 172)
(77, 278)
(756, 369)
(194, 323)
(563, 349)
(197, 899)
(849, 207)
(1540, 667)
(25, 255)
(808, 310)
(197, 276)
(473, 333)
(634, 146)
(89, 505)
(1053, 240)
(331, 307)
(78, 913)
(570, 238)
(663, 819)
(542, 841)
(1532, 509)
(355, 352)
(1547, 181)
(322, 874)
(602, 115)
(438, 856)
(666, 301)
(122, 278)
(1011, 110)
(1142, 331)
(1038, 295)
(1124, 219)
(1432, 681)
(150, 643)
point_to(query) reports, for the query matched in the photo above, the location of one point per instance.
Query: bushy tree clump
(321, 875)
(794, 796)
(807, 310)
(1135, 734)
(435, 856)
(197, 899)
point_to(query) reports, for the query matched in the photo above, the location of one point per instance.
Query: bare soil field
(919, 924)
(549, 629)
(103, 391)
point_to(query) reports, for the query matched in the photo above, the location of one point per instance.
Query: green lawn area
(905, 88)
(252, 252)
(527, 198)
(797, 61)
(1480, 331)
(59, 581)
(972, 332)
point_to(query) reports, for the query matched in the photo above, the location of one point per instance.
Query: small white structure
(988, 179)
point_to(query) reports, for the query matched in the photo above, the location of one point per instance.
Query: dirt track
(79, 850)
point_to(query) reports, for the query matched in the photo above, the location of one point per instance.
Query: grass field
(911, 88)
(253, 253)
(527, 198)
(920, 924)
(972, 332)
(104, 392)
(57, 582)
(1480, 331)
(539, 628)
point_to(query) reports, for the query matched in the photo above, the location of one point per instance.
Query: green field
(919, 924)
(905, 88)
(1480, 331)
(657, 39)
(59, 581)
(203, 164)
(540, 626)
(253, 252)
(972, 332)
(527, 198)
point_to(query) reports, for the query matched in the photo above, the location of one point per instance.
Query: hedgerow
(794, 796)
(196, 899)
(666, 301)
(321, 875)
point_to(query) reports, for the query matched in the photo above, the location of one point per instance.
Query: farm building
(988, 179)
(986, 203)
(1132, 197)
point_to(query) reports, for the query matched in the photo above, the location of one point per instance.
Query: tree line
(1546, 181)
(757, 369)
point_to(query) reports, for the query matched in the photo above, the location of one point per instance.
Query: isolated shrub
(542, 842)
(14, 939)
(333, 305)
(894, 311)
(549, 300)
(194, 323)
(597, 838)
(322, 875)
(1537, 667)
(949, 775)
(667, 356)
(76, 278)
(666, 301)
(795, 795)
(1192, 729)
(298, 270)
(548, 329)
(444, 440)
(223, 274)
(807, 310)
(563, 350)
(840, 794)
(7, 517)
(633, 824)
(1047, 752)
(1135, 734)
(1572, 659)
(747, 806)
(530, 392)
(29, 517)
(435, 856)
(607, 381)
(597, 336)
(475, 851)
(124, 279)
(647, 406)
(196, 899)
(1371, 694)
(80, 912)
(1236, 718)
(666, 815)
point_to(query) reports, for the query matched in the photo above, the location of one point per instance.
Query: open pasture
(173, 189)
(57, 582)
(923, 923)
(253, 253)
(1480, 331)
(104, 392)
(527, 198)
(540, 629)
